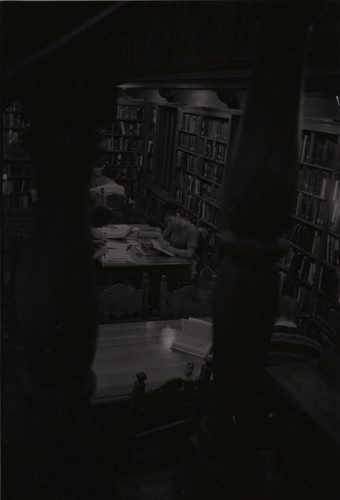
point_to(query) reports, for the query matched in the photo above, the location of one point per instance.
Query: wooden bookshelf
(17, 171)
(311, 267)
(200, 164)
(128, 141)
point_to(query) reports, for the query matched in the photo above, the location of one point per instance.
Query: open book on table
(156, 244)
(196, 337)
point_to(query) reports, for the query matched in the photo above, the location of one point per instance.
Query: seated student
(288, 343)
(103, 186)
(180, 237)
(98, 178)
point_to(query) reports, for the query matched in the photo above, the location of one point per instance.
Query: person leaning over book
(103, 186)
(98, 178)
(180, 237)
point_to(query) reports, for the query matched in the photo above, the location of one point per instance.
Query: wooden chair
(184, 302)
(124, 302)
(203, 252)
(165, 417)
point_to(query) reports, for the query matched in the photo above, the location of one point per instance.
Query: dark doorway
(164, 155)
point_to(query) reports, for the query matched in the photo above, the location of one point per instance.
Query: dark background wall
(139, 40)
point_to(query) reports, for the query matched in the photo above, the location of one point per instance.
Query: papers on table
(111, 231)
(109, 189)
(196, 337)
(133, 243)
(117, 245)
(116, 253)
(97, 233)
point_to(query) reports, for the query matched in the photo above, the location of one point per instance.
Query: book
(157, 246)
(146, 231)
(196, 337)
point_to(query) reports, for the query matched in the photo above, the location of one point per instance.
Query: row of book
(306, 238)
(186, 161)
(129, 112)
(319, 148)
(151, 131)
(126, 171)
(215, 151)
(186, 181)
(327, 315)
(332, 250)
(200, 208)
(14, 152)
(312, 180)
(132, 189)
(198, 187)
(18, 200)
(190, 123)
(336, 191)
(17, 170)
(215, 128)
(208, 191)
(298, 291)
(210, 171)
(187, 200)
(301, 265)
(15, 185)
(208, 212)
(187, 141)
(129, 159)
(334, 221)
(329, 283)
(13, 119)
(310, 209)
(14, 107)
(122, 127)
(153, 116)
(123, 143)
(149, 147)
(12, 136)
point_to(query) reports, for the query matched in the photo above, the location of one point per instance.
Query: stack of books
(146, 231)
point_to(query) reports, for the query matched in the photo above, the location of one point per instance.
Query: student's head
(288, 309)
(172, 214)
(98, 165)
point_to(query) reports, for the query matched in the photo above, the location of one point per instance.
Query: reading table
(129, 348)
(125, 255)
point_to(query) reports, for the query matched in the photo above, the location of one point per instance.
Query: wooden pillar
(57, 315)
(258, 202)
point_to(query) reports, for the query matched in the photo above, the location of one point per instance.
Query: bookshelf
(311, 268)
(200, 164)
(17, 173)
(124, 141)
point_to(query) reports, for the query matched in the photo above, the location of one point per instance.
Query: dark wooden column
(56, 308)
(66, 92)
(258, 202)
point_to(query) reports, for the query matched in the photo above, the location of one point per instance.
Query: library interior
(170, 311)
